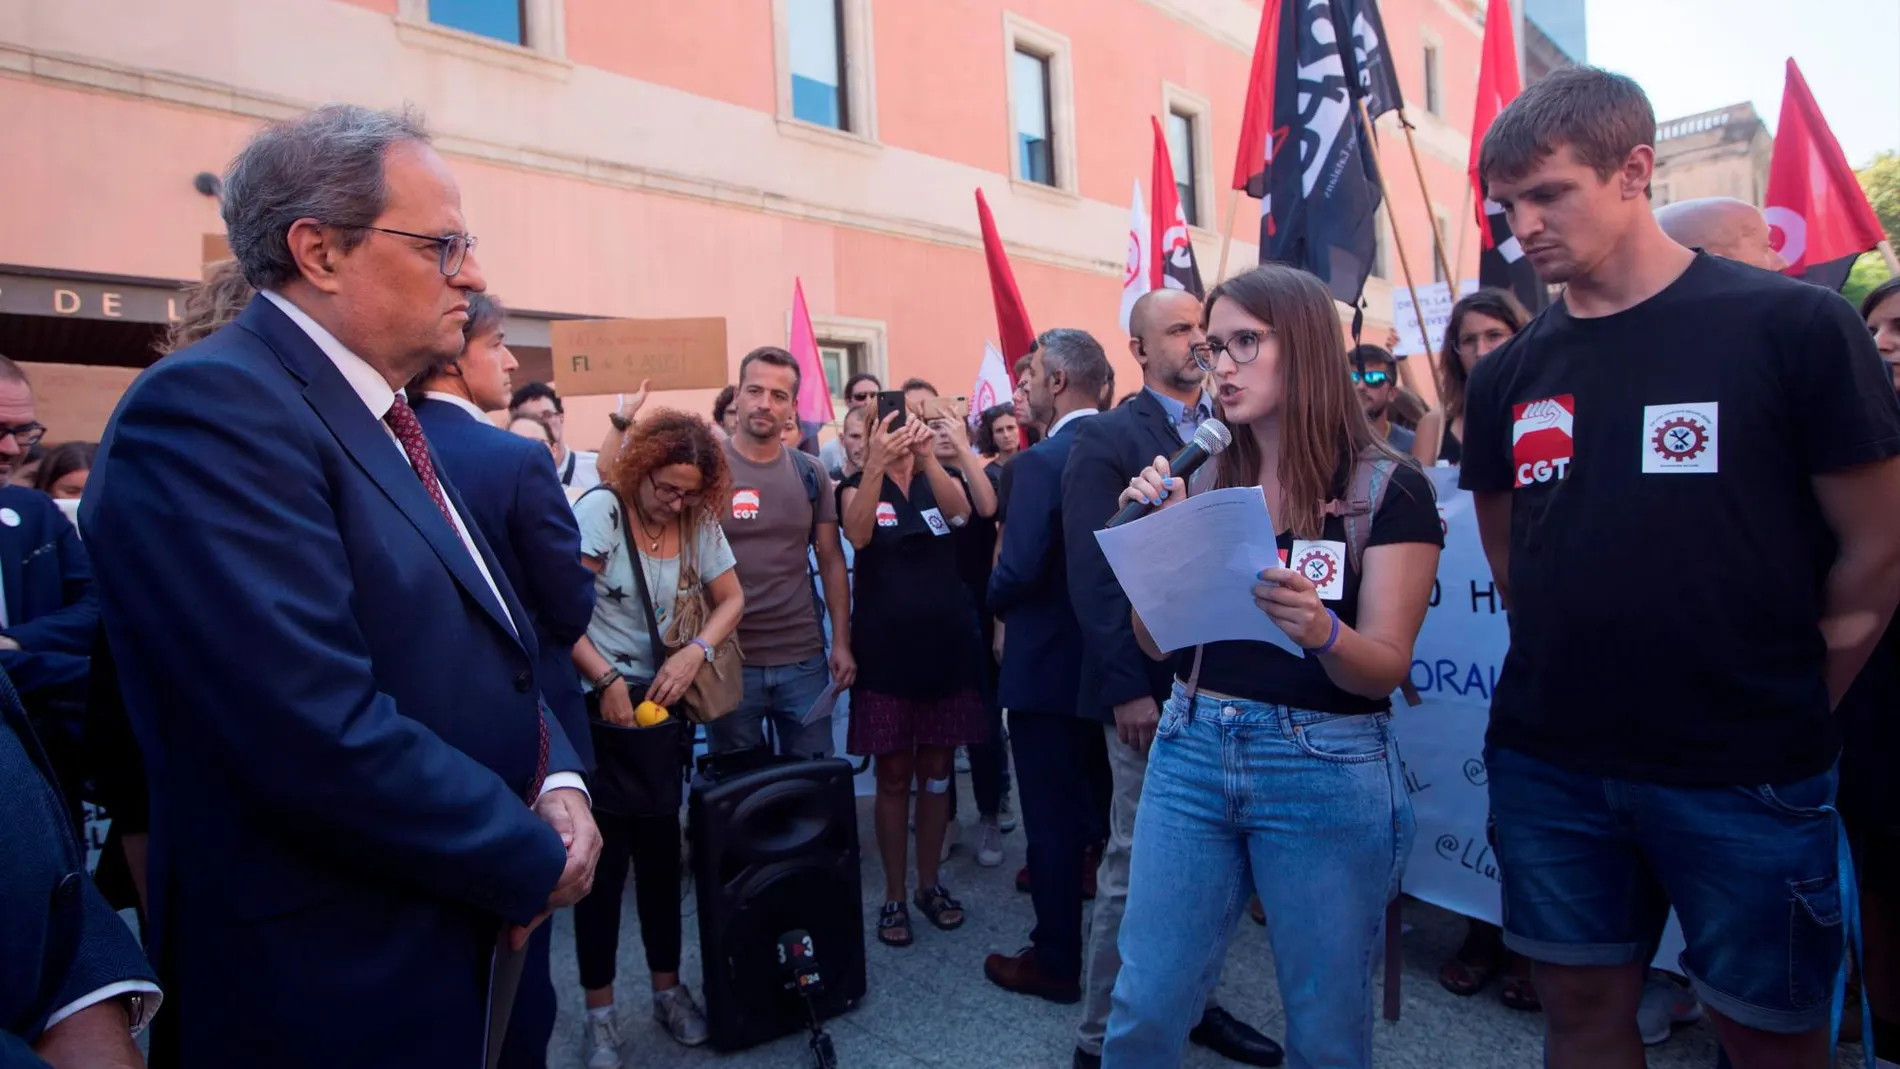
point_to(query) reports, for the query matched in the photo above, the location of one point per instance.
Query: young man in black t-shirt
(1687, 486)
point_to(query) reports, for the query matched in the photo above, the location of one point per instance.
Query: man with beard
(782, 506)
(1121, 687)
(1376, 374)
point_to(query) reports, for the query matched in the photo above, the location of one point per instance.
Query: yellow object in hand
(647, 714)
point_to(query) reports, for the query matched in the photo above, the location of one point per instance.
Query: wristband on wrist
(1330, 639)
(607, 679)
(703, 645)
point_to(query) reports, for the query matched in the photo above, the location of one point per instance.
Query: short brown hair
(775, 356)
(1601, 116)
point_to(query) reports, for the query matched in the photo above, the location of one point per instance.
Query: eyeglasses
(673, 494)
(1476, 344)
(455, 247)
(1242, 345)
(863, 397)
(1372, 378)
(26, 435)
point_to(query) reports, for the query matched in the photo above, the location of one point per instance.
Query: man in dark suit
(515, 499)
(1055, 750)
(1121, 687)
(74, 987)
(48, 614)
(357, 795)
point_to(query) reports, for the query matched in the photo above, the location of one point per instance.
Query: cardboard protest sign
(605, 356)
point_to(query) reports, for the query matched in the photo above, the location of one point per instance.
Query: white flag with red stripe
(1135, 276)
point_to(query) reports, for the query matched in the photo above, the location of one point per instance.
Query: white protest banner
(1437, 300)
(1455, 666)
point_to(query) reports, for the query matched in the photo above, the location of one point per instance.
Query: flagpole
(1893, 262)
(1438, 239)
(1405, 268)
(1227, 236)
(1464, 231)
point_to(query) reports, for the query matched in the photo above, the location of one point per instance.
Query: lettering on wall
(75, 299)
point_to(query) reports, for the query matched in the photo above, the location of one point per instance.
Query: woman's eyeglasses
(1372, 378)
(1242, 345)
(1475, 344)
(673, 494)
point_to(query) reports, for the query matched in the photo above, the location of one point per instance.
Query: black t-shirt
(1668, 554)
(913, 621)
(1869, 714)
(1262, 672)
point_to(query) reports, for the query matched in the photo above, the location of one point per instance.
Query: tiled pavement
(931, 1006)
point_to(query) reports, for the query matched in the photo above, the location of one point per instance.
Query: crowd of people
(370, 686)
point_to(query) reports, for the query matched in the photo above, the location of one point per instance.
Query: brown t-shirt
(768, 522)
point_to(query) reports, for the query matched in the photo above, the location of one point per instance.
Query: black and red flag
(1302, 152)
(1013, 331)
(1173, 248)
(1818, 215)
(1501, 263)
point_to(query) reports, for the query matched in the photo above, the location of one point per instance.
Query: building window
(1035, 146)
(841, 360)
(1182, 155)
(815, 36)
(503, 20)
(1434, 87)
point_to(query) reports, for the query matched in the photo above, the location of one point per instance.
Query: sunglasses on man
(1371, 378)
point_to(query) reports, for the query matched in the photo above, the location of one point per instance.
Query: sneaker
(989, 847)
(682, 1018)
(963, 760)
(952, 835)
(603, 1038)
(1666, 1003)
(1006, 816)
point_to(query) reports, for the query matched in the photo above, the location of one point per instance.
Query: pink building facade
(637, 158)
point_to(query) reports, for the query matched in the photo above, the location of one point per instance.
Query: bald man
(1722, 226)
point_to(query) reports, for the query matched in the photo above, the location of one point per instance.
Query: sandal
(937, 904)
(1520, 993)
(1478, 961)
(893, 925)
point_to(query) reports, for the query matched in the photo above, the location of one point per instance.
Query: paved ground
(930, 1005)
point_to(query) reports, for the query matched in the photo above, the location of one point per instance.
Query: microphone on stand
(1210, 438)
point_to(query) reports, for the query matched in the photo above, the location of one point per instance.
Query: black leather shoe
(1225, 1035)
(1084, 1060)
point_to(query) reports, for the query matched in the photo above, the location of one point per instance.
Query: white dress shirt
(1079, 413)
(380, 397)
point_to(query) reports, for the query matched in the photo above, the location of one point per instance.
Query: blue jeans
(784, 693)
(1308, 809)
(1592, 865)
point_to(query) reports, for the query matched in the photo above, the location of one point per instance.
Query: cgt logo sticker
(745, 503)
(1543, 439)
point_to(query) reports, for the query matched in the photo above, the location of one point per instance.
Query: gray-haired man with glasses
(360, 802)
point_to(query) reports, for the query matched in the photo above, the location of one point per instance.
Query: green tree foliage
(1881, 180)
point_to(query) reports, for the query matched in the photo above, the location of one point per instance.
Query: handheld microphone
(1210, 438)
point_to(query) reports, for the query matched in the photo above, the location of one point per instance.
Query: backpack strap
(808, 474)
(1371, 478)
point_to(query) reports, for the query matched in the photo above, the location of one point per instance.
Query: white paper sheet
(826, 704)
(1190, 570)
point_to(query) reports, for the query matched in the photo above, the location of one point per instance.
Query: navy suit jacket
(338, 719)
(1029, 589)
(516, 499)
(62, 941)
(1109, 450)
(50, 605)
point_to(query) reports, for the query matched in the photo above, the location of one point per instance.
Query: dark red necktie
(402, 419)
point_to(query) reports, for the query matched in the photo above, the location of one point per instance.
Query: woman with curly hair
(652, 514)
(997, 435)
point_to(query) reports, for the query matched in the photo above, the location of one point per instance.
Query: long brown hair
(209, 305)
(1323, 429)
(1498, 304)
(662, 439)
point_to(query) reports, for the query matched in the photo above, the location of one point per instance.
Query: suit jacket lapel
(363, 437)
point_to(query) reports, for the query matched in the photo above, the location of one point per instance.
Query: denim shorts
(1592, 865)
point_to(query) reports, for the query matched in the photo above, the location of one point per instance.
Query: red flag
(814, 395)
(1256, 124)
(1170, 248)
(1018, 338)
(1498, 85)
(1818, 215)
